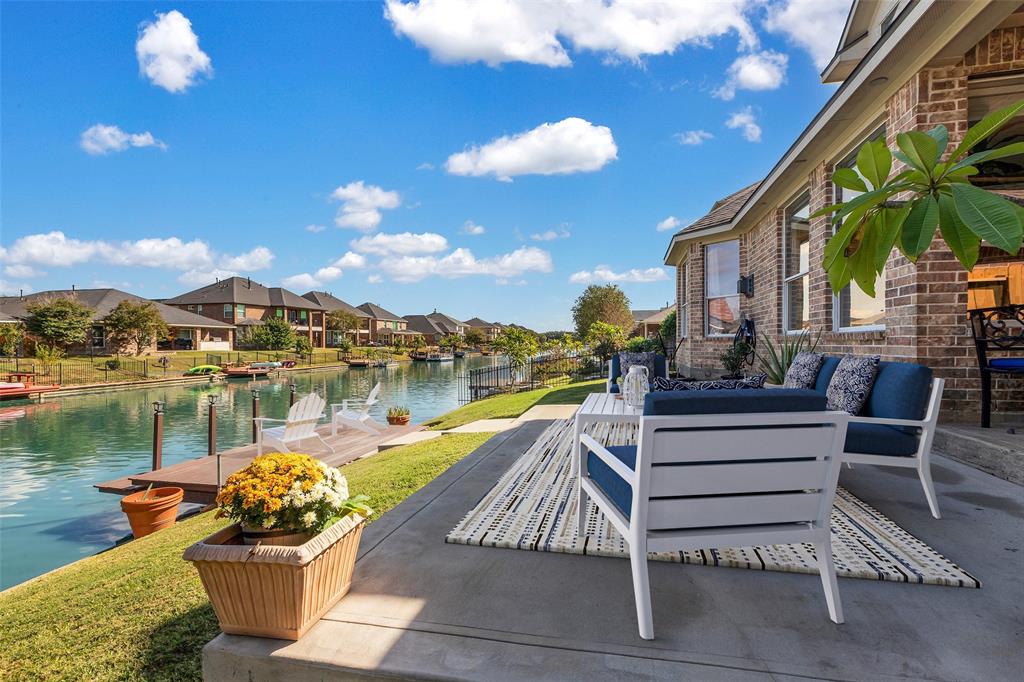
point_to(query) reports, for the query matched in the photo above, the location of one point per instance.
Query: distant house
(243, 303)
(385, 326)
(187, 331)
(431, 332)
(490, 330)
(648, 322)
(360, 335)
(448, 323)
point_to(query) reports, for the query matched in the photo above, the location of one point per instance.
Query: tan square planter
(275, 591)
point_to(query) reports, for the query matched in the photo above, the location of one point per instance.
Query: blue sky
(357, 148)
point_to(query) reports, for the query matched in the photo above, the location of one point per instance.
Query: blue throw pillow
(851, 383)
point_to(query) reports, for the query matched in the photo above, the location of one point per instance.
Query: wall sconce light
(745, 286)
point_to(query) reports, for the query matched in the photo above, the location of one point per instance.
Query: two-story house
(490, 330)
(385, 326)
(360, 335)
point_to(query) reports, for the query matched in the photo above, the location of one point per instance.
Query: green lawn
(138, 612)
(514, 404)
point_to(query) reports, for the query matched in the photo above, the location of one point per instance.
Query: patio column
(197, 336)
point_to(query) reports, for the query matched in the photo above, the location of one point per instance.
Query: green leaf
(941, 135)
(962, 242)
(839, 274)
(989, 154)
(991, 217)
(986, 126)
(919, 227)
(920, 149)
(874, 161)
(825, 211)
(836, 245)
(848, 178)
(888, 225)
(862, 263)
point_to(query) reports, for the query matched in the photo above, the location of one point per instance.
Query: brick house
(490, 330)
(360, 335)
(647, 323)
(385, 326)
(244, 303)
(901, 66)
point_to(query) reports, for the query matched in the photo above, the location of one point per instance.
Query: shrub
(735, 357)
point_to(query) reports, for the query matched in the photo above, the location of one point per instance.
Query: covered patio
(420, 608)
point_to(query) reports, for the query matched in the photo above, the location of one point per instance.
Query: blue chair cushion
(880, 439)
(1007, 363)
(615, 371)
(617, 490)
(900, 391)
(828, 368)
(614, 389)
(734, 401)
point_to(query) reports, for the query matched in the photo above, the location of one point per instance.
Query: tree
(450, 341)
(303, 346)
(342, 321)
(135, 325)
(58, 322)
(474, 337)
(519, 345)
(939, 195)
(606, 304)
(275, 334)
(11, 335)
(605, 339)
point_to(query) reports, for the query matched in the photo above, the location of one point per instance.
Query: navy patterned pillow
(627, 360)
(803, 371)
(663, 384)
(850, 385)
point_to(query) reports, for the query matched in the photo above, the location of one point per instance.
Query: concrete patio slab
(547, 412)
(409, 439)
(484, 426)
(423, 609)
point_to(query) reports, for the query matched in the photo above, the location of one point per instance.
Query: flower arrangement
(289, 492)
(398, 411)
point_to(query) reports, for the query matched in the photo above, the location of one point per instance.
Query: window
(279, 312)
(985, 95)
(681, 315)
(302, 315)
(240, 311)
(721, 272)
(796, 258)
(852, 309)
(191, 307)
(98, 337)
(199, 309)
(227, 310)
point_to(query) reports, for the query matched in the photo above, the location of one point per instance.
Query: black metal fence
(82, 371)
(538, 372)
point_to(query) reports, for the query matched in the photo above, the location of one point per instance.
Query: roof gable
(103, 301)
(378, 313)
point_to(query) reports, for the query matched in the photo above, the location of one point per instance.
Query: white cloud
(692, 137)
(403, 244)
(602, 273)
(103, 139)
(14, 288)
(669, 223)
(462, 263)
(425, 166)
(746, 122)
(20, 271)
(472, 228)
(361, 205)
(259, 258)
(572, 145)
(550, 235)
(168, 52)
(350, 260)
(315, 229)
(814, 25)
(199, 277)
(49, 249)
(374, 279)
(315, 281)
(758, 71)
(457, 31)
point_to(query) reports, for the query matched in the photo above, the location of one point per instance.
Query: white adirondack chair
(355, 413)
(300, 425)
(722, 480)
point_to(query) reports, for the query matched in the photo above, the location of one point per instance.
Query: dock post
(292, 387)
(255, 411)
(212, 430)
(158, 434)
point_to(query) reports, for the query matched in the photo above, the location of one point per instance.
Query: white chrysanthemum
(341, 487)
(269, 522)
(309, 518)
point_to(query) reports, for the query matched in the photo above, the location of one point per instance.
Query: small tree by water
(135, 325)
(57, 323)
(518, 345)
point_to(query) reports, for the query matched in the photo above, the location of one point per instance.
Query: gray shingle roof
(423, 325)
(246, 292)
(723, 210)
(332, 304)
(376, 312)
(102, 301)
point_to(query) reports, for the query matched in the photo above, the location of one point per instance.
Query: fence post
(292, 387)
(145, 368)
(211, 447)
(60, 373)
(255, 411)
(158, 434)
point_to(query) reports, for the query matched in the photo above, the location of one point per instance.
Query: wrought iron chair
(999, 330)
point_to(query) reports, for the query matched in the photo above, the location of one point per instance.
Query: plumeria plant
(288, 492)
(939, 195)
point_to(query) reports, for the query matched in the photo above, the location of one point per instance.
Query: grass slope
(138, 612)
(514, 404)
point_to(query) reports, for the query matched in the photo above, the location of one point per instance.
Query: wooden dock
(198, 477)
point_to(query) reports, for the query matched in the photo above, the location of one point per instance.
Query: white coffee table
(600, 408)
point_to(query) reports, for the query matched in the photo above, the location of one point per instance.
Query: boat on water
(359, 362)
(440, 357)
(247, 371)
(418, 356)
(460, 353)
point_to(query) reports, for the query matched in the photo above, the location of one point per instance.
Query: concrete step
(998, 450)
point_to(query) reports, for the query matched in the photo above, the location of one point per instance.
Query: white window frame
(848, 161)
(229, 310)
(682, 305)
(803, 197)
(707, 299)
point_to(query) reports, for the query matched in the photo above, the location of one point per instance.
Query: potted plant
(733, 360)
(775, 361)
(290, 555)
(152, 509)
(398, 416)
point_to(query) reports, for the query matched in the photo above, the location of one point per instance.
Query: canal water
(52, 453)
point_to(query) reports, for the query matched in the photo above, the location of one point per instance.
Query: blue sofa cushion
(880, 439)
(664, 384)
(1007, 363)
(901, 391)
(614, 389)
(660, 364)
(617, 490)
(828, 368)
(734, 401)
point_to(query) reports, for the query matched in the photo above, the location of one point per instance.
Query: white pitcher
(636, 386)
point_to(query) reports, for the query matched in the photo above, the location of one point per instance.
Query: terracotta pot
(275, 591)
(158, 511)
(399, 421)
(284, 538)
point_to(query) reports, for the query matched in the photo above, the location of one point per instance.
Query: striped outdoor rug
(533, 507)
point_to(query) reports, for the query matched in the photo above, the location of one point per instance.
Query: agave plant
(775, 360)
(938, 195)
